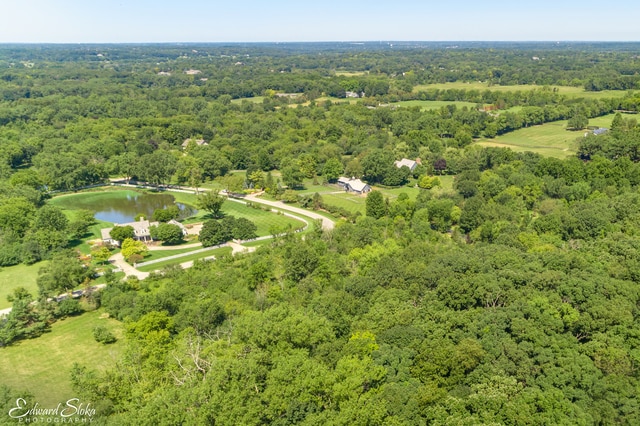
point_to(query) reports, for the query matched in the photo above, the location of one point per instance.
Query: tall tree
(375, 205)
(211, 201)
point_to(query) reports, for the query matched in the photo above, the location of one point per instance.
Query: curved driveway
(327, 224)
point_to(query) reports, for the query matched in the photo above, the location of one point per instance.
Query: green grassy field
(18, 276)
(263, 220)
(42, 366)
(213, 252)
(333, 195)
(255, 100)
(549, 139)
(351, 73)
(431, 105)
(159, 254)
(569, 91)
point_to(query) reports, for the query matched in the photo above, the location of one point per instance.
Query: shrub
(102, 335)
(68, 307)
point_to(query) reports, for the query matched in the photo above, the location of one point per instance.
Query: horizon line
(308, 42)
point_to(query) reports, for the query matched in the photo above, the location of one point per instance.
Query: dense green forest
(510, 298)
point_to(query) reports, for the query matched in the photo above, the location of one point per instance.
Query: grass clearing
(255, 100)
(19, 276)
(217, 252)
(431, 105)
(569, 91)
(549, 139)
(351, 73)
(42, 366)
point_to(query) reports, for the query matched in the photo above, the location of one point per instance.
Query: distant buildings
(597, 132)
(198, 142)
(192, 72)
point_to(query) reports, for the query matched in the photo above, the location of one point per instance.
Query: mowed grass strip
(217, 252)
(160, 254)
(19, 276)
(549, 139)
(42, 366)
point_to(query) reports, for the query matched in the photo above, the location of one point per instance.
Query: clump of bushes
(102, 335)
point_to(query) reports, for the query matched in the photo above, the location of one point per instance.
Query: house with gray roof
(405, 162)
(353, 185)
(141, 231)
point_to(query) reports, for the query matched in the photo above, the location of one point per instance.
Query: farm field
(569, 91)
(431, 105)
(549, 139)
(18, 276)
(42, 366)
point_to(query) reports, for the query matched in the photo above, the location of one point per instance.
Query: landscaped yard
(18, 276)
(264, 220)
(549, 139)
(42, 366)
(217, 252)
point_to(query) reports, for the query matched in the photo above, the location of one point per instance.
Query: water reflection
(125, 209)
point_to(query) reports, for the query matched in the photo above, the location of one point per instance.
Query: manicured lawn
(18, 276)
(83, 245)
(42, 366)
(550, 139)
(569, 91)
(213, 252)
(88, 197)
(257, 243)
(429, 105)
(159, 254)
(349, 202)
(263, 219)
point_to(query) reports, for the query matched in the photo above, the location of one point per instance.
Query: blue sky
(114, 21)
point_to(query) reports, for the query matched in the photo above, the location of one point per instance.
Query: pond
(122, 206)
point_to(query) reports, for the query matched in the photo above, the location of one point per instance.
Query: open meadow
(549, 139)
(431, 105)
(42, 366)
(18, 276)
(569, 91)
(333, 195)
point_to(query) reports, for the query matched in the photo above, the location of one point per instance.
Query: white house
(353, 185)
(179, 225)
(141, 231)
(406, 162)
(358, 186)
